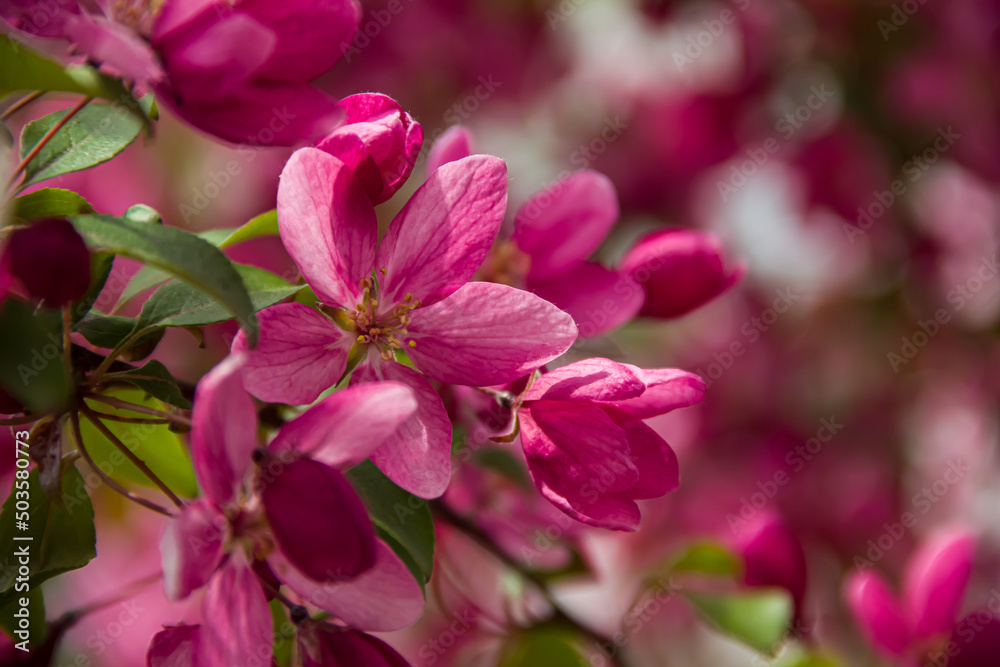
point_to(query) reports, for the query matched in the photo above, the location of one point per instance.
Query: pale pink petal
(223, 430)
(580, 460)
(385, 598)
(174, 647)
(598, 298)
(317, 519)
(935, 581)
(327, 225)
(878, 613)
(417, 456)
(191, 547)
(299, 355)
(345, 428)
(236, 621)
(114, 45)
(666, 389)
(440, 238)
(659, 472)
(486, 334)
(595, 379)
(454, 144)
(566, 222)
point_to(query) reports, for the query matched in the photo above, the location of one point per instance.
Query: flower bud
(50, 260)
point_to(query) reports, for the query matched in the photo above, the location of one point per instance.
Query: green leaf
(101, 264)
(31, 367)
(503, 462)
(178, 305)
(403, 516)
(155, 444)
(105, 330)
(155, 380)
(265, 224)
(50, 203)
(63, 537)
(542, 647)
(96, 134)
(145, 278)
(284, 634)
(759, 618)
(182, 254)
(707, 558)
(37, 628)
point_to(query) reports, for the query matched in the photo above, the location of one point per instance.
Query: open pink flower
(410, 293)
(293, 519)
(933, 586)
(586, 445)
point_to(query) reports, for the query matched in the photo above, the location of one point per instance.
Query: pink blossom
(410, 292)
(586, 445)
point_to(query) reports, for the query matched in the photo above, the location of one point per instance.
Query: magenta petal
(440, 238)
(299, 355)
(190, 548)
(384, 598)
(666, 389)
(174, 647)
(223, 430)
(566, 222)
(486, 334)
(345, 428)
(417, 456)
(773, 556)
(113, 45)
(454, 144)
(236, 621)
(324, 645)
(680, 269)
(659, 472)
(878, 613)
(935, 582)
(580, 460)
(327, 225)
(598, 298)
(317, 519)
(595, 379)
(979, 633)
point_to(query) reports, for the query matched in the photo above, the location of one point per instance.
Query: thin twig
(130, 455)
(125, 405)
(45, 139)
(129, 420)
(20, 104)
(96, 376)
(148, 504)
(17, 421)
(74, 615)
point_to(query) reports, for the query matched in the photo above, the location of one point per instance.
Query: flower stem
(72, 616)
(130, 455)
(20, 104)
(477, 535)
(125, 405)
(75, 420)
(45, 139)
(17, 421)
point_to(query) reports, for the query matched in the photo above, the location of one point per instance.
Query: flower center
(383, 329)
(506, 264)
(139, 15)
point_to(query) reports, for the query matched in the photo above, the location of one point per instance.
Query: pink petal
(113, 45)
(680, 269)
(486, 334)
(935, 582)
(566, 222)
(385, 598)
(378, 141)
(299, 355)
(454, 144)
(580, 460)
(659, 472)
(773, 556)
(236, 621)
(174, 647)
(345, 428)
(223, 430)
(666, 389)
(317, 519)
(878, 613)
(311, 34)
(191, 547)
(325, 645)
(979, 633)
(327, 225)
(440, 238)
(598, 298)
(417, 456)
(593, 379)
